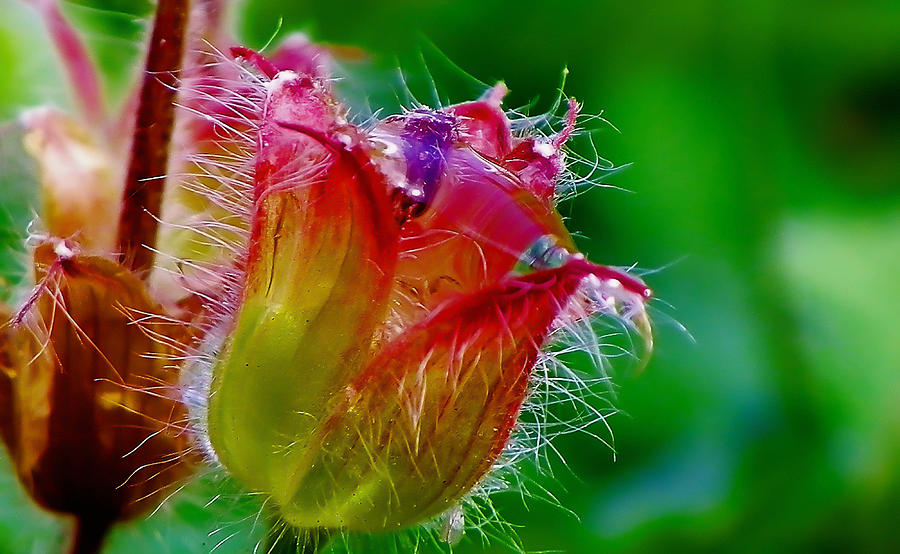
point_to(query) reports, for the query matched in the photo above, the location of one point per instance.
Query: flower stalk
(154, 122)
(89, 535)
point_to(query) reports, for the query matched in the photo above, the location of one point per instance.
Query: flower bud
(84, 434)
(399, 287)
(318, 276)
(80, 186)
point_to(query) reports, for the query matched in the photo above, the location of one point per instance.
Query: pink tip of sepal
(78, 65)
(483, 124)
(63, 251)
(255, 59)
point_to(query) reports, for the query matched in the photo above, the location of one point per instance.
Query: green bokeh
(765, 142)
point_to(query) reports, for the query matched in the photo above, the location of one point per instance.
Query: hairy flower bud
(85, 436)
(398, 289)
(318, 276)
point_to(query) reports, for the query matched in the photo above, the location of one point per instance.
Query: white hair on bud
(206, 219)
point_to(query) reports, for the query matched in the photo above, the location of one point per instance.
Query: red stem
(90, 533)
(145, 179)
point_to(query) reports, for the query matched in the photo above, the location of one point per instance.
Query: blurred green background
(765, 142)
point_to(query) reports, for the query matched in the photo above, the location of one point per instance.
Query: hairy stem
(90, 534)
(145, 180)
(283, 538)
